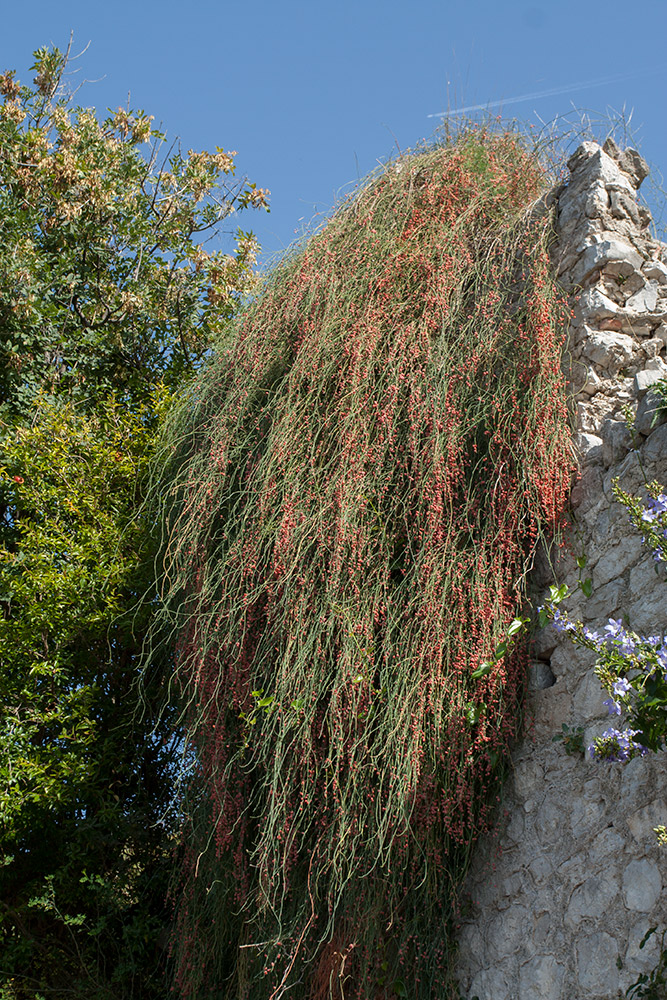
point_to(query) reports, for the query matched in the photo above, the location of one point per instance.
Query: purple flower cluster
(649, 650)
(620, 687)
(654, 517)
(631, 667)
(561, 622)
(617, 745)
(620, 652)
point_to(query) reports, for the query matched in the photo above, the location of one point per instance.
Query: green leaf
(557, 594)
(473, 714)
(482, 670)
(649, 933)
(518, 625)
(586, 586)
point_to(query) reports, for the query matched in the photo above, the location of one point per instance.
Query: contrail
(567, 89)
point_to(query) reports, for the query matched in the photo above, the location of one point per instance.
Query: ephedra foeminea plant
(353, 494)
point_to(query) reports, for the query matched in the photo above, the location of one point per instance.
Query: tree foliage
(109, 298)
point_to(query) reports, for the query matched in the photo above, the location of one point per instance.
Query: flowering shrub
(353, 494)
(631, 667)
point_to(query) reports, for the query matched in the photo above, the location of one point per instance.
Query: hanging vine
(353, 495)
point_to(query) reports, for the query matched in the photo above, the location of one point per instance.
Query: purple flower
(593, 636)
(622, 686)
(614, 707)
(655, 507)
(562, 623)
(614, 627)
(627, 643)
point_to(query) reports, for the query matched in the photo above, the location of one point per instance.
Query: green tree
(109, 300)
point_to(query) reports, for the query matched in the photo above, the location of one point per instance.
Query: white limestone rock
(650, 414)
(548, 822)
(589, 699)
(597, 201)
(588, 812)
(604, 601)
(586, 491)
(593, 306)
(549, 709)
(491, 983)
(645, 300)
(640, 326)
(528, 778)
(616, 441)
(616, 559)
(598, 255)
(607, 844)
(652, 347)
(593, 897)
(568, 660)
(661, 333)
(643, 821)
(589, 447)
(629, 160)
(596, 964)
(624, 206)
(655, 453)
(611, 351)
(590, 163)
(542, 976)
(656, 269)
(642, 885)
(640, 960)
(645, 379)
(590, 382)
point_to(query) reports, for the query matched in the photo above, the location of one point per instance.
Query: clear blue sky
(313, 94)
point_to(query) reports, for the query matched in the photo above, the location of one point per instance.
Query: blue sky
(313, 95)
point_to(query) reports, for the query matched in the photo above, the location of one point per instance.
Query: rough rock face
(564, 891)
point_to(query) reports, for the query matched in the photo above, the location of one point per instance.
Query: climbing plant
(352, 494)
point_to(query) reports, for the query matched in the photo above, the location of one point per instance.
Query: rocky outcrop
(564, 891)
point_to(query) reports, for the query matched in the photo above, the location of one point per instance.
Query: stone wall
(563, 892)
